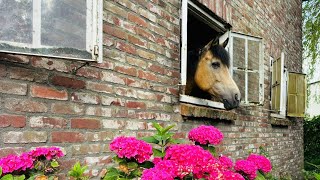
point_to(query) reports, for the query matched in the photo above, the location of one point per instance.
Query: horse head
(212, 74)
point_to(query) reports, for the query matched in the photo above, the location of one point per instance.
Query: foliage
(173, 161)
(77, 172)
(30, 165)
(311, 129)
(311, 33)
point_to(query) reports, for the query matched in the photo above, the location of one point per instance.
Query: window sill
(280, 122)
(189, 110)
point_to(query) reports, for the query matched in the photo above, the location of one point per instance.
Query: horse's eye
(215, 65)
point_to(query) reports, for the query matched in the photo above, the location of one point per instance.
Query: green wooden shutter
(276, 85)
(296, 95)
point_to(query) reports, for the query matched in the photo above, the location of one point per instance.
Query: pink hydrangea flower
(261, 162)
(230, 175)
(246, 167)
(13, 163)
(130, 147)
(47, 152)
(226, 162)
(206, 135)
(191, 159)
(156, 174)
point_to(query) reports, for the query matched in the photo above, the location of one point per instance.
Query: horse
(208, 75)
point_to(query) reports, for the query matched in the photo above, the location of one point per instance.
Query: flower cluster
(246, 167)
(48, 153)
(130, 147)
(25, 161)
(13, 163)
(263, 164)
(206, 135)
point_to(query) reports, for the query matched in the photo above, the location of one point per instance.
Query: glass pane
(253, 55)
(63, 23)
(253, 87)
(239, 52)
(239, 78)
(16, 21)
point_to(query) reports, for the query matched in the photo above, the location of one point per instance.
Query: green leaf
(112, 174)
(7, 177)
(157, 152)
(22, 177)
(212, 150)
(136, 173)
(166, 129)
(158, 137)
(118, 160)
(0, 171)
(178, 141)
(132, 165)
(147, 164)
(150, 139)
(158, 127)
(317, 176)
(54, 164)
(260, 176)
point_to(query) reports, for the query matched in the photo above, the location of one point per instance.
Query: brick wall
(43, 103)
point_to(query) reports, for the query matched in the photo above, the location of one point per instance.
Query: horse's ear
(225, 43)
(213, 42)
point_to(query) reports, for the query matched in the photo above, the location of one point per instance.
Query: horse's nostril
(236, 97)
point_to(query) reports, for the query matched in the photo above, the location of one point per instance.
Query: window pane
(253, 55)
(63, 23)
(253, 87)
(16, 21)
(239, 78)
(239, 52)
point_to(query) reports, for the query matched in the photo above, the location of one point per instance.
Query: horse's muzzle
(231, 103)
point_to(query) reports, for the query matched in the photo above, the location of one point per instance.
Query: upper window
(64, 28)
(247, 67)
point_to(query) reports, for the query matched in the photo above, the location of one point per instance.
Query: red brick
(147, 75)
(67, 108)
(25, 105)
(9, 87)
(112, 101)
(156, 68)
(137, 41)
(138, 20)
(114, 31)
(48, 93)
(79, 123)
(13, 137)
(103, 65)
(68, 82)
(123, 46)
(135, 105)
(86, 98)
(146, 54)
(11, 150)
(15, 121)
(50, 64)
(113, 78)
(15, 58)
(132, 71)
(89, 72)
(99, 87)
(99, 136)
(144, 33)
(47, 122)
(67, 137)
(85, 149)
(99, 111)
(27, 74)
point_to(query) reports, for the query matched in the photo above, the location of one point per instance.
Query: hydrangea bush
(37, 162)
(168, 159)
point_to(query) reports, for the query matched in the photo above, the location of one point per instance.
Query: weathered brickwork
(43, 102)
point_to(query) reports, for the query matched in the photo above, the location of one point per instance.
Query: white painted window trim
(261, 65)
(212, 22)
(283, 88)
(94, 33)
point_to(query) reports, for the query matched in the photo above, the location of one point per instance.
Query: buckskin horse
(208, 75)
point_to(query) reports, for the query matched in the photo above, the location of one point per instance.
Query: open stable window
(199, 25)
(246, 53)
(64, 28)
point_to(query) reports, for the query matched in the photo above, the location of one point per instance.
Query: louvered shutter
(276, 85)
(296, 95)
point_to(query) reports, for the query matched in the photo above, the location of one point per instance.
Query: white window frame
(244, 97)
(283, 88)
(212, 22)
(94, 30)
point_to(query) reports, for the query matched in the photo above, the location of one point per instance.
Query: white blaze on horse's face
(212, 75)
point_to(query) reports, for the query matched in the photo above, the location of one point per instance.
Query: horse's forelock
(221, 53)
